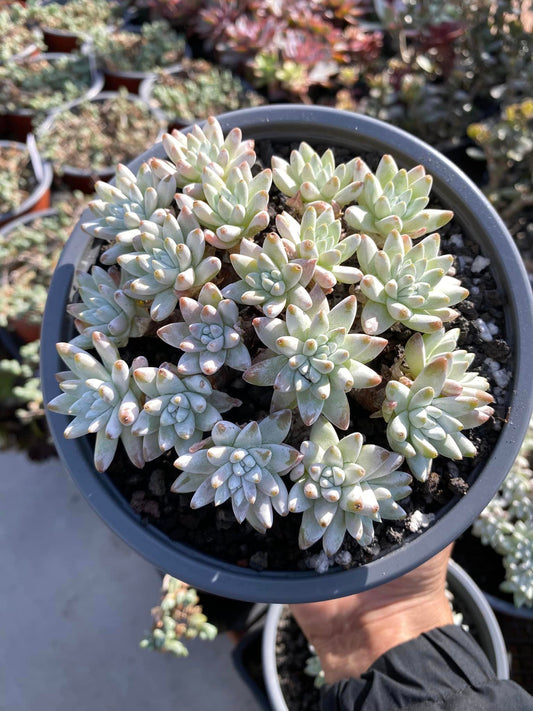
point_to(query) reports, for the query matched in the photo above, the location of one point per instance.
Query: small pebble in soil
(259, 560)
(418, 520)
(479, 264)
(483, 329)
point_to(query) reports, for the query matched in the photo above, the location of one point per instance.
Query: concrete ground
(74, 603)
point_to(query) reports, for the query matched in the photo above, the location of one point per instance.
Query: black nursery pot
(473, 212)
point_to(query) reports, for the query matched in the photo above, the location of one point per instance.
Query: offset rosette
(318, 238)
(244, 465)
(268, 279)
(395, 199)
(312, 177)
(102, 397)
(177, 411)
(344, 486)
(121, 209)
(105, 307)
(314, 360)
(167, 262)
(210, 334)
(406, 284)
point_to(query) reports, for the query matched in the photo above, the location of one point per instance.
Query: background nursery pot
(467, 600)
(39, 198)
(455, 191)
(83, 179)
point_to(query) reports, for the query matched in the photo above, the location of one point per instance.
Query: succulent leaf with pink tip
(343, 486)
(210, 334)
(393, 199)
(244, 465)
(102, 397)
(315, 359)
(406, 284)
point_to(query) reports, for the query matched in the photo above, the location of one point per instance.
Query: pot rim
(296, 122)
(37, 193)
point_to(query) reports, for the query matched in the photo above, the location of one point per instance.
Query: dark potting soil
(292, 652)
(214, 530)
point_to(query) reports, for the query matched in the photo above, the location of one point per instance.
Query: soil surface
(215, 530)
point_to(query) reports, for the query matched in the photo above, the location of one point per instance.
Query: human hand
(350, 633)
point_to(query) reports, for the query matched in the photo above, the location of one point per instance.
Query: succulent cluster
(200, 89)
(506, 525)
(178, 617)
(275, 307)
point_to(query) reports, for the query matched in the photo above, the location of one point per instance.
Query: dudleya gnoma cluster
(188, 244)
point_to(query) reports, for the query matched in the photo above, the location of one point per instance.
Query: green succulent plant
(318, 237)
(343, 486)
(201, 89)
(268, 279)
(177, 409)
(42, 84)
(210, 334)
(201, 147)
(244, 465)
(17, 38)
(426, 415)
(156, 45)
(314, 360)
(120, 209)
(316, 178)
(106, 308)
(178, 617)
(273, 310)
(235, 206)
(102, 398)
(393, 199)
(168, 263)
(406, 284)
(76, 16)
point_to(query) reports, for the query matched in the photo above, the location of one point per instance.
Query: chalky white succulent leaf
(169, 263)
(210, 334)
(177, 410)
(315, 360)
(311, 177)
(268, 278)
(235, 205)
(106, 308)
(121, 209)
(344, 486)
(406, 284)
(395, 199)
(420, 350)
(191, 152)
(426, 416)
(244, 465)
(102, 397)
(318, 237)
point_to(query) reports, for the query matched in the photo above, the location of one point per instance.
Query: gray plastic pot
(453, 189)
(468, 599)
